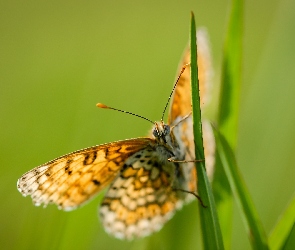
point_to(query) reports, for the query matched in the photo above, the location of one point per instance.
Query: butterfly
(146, 176)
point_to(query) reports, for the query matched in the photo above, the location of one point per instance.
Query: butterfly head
(165, 138)
(163, 134)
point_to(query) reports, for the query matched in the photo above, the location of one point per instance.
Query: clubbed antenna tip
(101, 105)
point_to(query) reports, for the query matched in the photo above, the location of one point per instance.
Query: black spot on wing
(96, 182)
(90, 158)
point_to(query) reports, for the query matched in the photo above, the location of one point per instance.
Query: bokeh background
(59, 58)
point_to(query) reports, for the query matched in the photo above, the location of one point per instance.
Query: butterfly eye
(155, 133)
(166, 129)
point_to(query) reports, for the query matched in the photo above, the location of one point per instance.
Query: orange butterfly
(145, 185)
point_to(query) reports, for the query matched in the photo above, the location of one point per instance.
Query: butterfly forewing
(181, 107)
(181, 104)
(70, 180)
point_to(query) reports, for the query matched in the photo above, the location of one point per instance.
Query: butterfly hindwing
(142, 198)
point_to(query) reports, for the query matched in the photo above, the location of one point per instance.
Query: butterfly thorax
(168, 146)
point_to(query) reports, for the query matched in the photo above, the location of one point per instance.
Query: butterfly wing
(181, 99)
(181, 107)
(72, 179)
(141, 199)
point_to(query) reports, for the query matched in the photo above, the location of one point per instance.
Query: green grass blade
(212, 238)
(231, 75)
(290, 241)
(283, 229)
(249, 214)
(228, 113)
(224, 203)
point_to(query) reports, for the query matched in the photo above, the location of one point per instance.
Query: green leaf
(284, 228)
(228, 112)
(290, 241)
(231, 75)
(212, 238)
(249, 214)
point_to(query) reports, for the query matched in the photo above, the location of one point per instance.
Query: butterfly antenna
(103, 106)
(182, 70)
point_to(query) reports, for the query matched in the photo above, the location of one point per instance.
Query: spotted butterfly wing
(73, 179)
(142, 198)
(181, 106)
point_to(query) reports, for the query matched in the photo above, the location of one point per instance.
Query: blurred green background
(59, 58)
